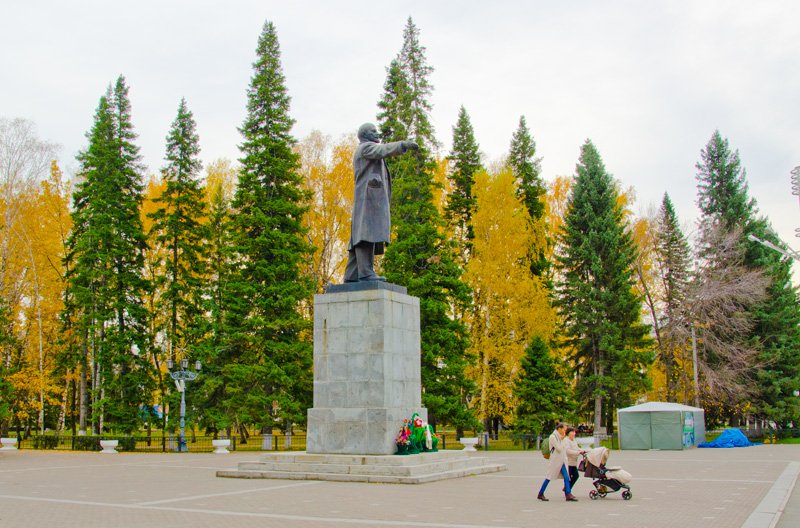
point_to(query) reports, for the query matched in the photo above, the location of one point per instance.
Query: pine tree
(465, 160)
(266, 331)
(420, 257)
(541, 389)
(106, 260)
(600, 310)
(674, 259)
(530, 187)
(178, 226)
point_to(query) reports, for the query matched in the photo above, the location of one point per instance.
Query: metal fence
(759, 434)
(158, 443)
(161, 443)
(504, 441)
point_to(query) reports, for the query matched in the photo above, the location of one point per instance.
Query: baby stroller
(608, 479)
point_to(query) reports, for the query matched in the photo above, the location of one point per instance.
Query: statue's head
(368, 132)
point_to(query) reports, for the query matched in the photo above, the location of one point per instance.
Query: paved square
(697, 488)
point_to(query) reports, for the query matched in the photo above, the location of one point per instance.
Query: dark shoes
(541, 497)
(571, 498)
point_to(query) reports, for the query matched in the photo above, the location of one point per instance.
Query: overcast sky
(648, 82)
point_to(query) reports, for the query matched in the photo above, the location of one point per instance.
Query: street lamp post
(787, 252)
(181, 377)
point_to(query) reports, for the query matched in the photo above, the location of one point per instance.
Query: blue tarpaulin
(729, 438)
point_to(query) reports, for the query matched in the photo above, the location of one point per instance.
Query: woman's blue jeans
(565, 474)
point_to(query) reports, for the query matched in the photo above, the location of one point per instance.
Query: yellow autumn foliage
(327, 168)
(511, 305)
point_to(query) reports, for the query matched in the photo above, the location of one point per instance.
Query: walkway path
(698, 488)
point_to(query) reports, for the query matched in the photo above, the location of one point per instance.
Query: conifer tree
(541, 389)
(674, 260)
(394, 105)
(530, 187)
(420, 257)
(600, 310)
(723, 198)
(465, 161)
(266, 332)
(778, 329)
(216, 412)
(722, 184)
(105, 260)
(178, 226)
(6, 387)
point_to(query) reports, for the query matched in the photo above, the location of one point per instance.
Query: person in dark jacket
(370, 225)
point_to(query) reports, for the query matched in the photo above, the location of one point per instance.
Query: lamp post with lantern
(181, 377)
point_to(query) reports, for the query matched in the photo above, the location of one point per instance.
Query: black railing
(160, 443)
(504, 441)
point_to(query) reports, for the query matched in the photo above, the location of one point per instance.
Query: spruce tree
(216, 412)
(179, 228)
(723, 198)
(420, 257)
(542, 390)
(777, 328)
(394, 105)
(530, 187)
(722, 185)
(465, 160)
(600, 310)
(106, 259)
(674, 260)
(267, 335)
(6, 387)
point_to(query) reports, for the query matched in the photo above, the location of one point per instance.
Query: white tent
(661, 425)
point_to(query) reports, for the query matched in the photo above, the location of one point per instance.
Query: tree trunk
(84, 388)
(598, 404)
(266, 439)
(63, 413)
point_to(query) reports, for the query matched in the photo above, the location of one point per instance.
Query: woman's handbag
(582, 465)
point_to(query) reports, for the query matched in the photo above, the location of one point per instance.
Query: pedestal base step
(390, 469)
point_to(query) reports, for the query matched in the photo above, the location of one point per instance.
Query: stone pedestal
(366, 382)
(366, 368)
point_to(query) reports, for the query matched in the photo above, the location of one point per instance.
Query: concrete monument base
(366, 368)
(366, 383)
(407, 469)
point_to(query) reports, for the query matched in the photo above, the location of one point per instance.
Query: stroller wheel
(602, 494)
(593, 494)
(627, 495)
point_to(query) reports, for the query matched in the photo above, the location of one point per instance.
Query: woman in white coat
(557, 466)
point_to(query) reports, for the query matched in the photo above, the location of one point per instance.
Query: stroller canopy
(597, 456)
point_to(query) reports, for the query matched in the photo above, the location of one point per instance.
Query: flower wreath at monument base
(416, 437)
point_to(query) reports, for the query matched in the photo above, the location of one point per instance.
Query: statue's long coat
(372, 194)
